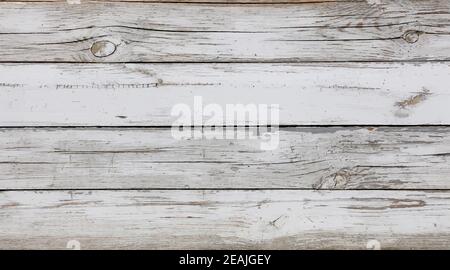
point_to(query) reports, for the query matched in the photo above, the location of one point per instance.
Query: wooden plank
(224, 219)
(164, 32)
(306, 158)
(146, 94)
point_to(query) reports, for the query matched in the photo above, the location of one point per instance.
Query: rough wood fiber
(308, 158)
(145, 94)
(163, 32)
(225, 219)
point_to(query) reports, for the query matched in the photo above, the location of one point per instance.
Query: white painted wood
(321, 188)
(224, 219)
(307, 158)
(165, 32)
(144, 94)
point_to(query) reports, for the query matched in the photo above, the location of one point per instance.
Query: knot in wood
(411, 36)
(103, 48)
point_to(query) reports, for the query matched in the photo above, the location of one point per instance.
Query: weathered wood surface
(164, 32)
(145, 94)
(225, 219)
(307, 158)
(325, 62)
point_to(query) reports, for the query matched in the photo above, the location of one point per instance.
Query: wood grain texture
(86, 153)
(146, 94)
(163, 32)
(224, 219)
(306, 158)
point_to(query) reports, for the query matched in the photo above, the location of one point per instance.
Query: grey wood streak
(145, 94)
(162, 32)
(307, 158)
(225, 219)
